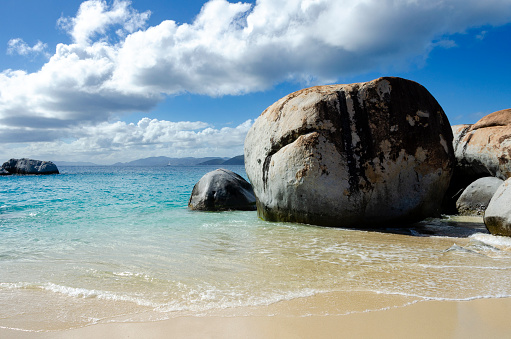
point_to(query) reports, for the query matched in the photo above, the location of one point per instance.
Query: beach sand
(481, 318)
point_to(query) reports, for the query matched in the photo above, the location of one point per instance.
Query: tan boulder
(483, 149)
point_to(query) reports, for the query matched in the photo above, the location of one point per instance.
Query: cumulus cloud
(95, 18)
(106, 142)
(117, 64)
(20, 47)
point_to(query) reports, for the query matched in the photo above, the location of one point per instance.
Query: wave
(495, 241)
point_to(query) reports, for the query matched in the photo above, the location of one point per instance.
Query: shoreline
(478, 318)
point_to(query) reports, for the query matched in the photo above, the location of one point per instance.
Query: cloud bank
(116, 64)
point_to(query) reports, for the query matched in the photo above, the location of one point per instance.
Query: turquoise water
(94, 244)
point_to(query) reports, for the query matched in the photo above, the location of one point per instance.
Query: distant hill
(164, 161)
(237, 160)
(75, 163)
(217, 161)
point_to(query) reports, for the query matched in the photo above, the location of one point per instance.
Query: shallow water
(93, 244)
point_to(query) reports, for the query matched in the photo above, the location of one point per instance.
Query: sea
(104, 244)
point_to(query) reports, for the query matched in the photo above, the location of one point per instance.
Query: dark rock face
(30, 166)
(4, 171)
(351, 155)
(497, 216)
(475, 198)
(221, 190)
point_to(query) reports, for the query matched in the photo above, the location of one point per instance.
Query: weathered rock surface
(497, 216)
(475, 198)
(3, 171)
(30, 166)
(483, 149)
(221, 190)
(353, 155)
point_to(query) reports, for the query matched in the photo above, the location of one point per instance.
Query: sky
(109, 81)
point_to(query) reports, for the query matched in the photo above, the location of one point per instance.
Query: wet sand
(482, 318)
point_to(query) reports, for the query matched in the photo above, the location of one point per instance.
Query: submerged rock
(475, 198)
(30, 166)
(351, 155)
(221, 190)
(497, 216)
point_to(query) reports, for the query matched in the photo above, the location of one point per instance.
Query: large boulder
(483, 149)
(497, 216)
(221, 190)
(475, 198)
(353, 155)
(30, 166)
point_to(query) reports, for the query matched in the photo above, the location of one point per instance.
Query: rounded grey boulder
(30, 166)
(357, 155)
(497, 216)
(222, 190)
(475, 198)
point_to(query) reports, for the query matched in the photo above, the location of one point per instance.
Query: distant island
(165, 161)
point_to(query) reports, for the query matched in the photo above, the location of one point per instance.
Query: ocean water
(110, 244)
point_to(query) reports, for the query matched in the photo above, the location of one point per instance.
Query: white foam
(502, 243)
(103, 295)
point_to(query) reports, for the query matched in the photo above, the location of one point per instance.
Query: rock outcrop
(353, 155)
(483, 149)
(221, 190)
(30, 166)
(4, 171)
(475, 198)
(497, 216)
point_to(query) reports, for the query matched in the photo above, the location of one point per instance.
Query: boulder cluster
(367, 155)
(28, 166)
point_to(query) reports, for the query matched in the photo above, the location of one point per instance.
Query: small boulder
(357, 155)
(30, 166)
(3, 171)
(222, 190)
(497, 216)
(475, 198)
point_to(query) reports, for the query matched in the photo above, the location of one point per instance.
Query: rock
(354, 155)
(222, 190)
(483, 149)
(30, 166)
(475, 198)
(459, 180)
(497, 216)
(4, 171)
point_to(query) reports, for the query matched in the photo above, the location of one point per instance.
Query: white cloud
(95, 17)
(20, 47)
(106, 142)
(114, 64)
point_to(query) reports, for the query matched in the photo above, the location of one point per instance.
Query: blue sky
(109, 81)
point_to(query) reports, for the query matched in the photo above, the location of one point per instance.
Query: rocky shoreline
(375, 154)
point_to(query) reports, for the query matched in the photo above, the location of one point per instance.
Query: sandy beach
(482, 318)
